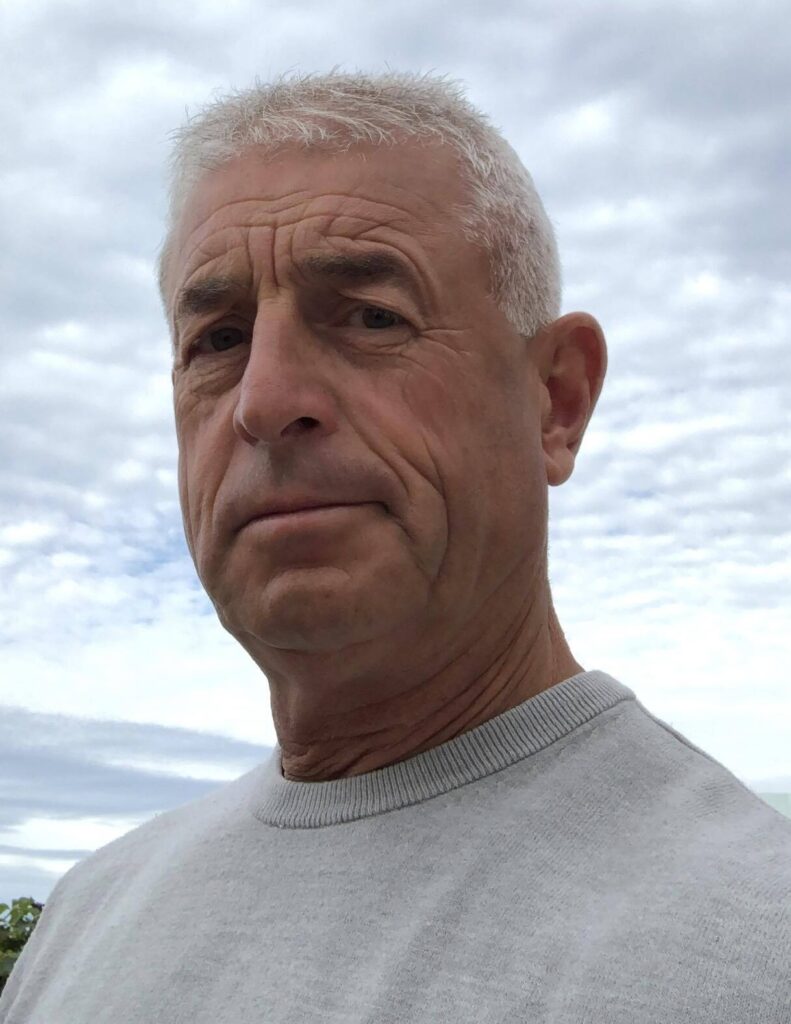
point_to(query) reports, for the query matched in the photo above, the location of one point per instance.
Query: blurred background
(659, 137)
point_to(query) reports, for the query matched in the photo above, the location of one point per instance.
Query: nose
(283, 392)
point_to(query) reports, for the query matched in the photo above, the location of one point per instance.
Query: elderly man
(373, 389)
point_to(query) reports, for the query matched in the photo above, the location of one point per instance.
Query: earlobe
(559, 462)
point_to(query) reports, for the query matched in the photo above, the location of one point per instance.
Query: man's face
(336, 345)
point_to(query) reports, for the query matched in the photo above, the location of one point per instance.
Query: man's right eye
(219, 339)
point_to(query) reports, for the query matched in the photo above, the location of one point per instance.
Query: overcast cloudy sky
(658, 135)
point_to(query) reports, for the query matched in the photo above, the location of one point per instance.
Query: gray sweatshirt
(574, 860)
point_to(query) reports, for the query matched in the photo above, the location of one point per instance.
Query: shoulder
(164, 837)
(137, 859)
(716, 875)
(116, 880)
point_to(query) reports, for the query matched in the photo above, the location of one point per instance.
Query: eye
(376, 319)
(219, 339)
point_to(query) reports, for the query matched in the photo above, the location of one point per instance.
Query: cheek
(475, 428)
(201, 466)
(460, 416)
(434, 395)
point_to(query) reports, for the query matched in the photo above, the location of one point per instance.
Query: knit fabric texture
(574, 860)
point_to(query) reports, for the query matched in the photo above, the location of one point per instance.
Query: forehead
(407, 195)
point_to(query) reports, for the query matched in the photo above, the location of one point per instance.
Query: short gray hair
(336, 111)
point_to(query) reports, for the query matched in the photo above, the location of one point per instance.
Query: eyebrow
(205, 296)
(212, 293)
(353, 267)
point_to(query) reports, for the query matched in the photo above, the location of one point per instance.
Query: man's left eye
(375, 318)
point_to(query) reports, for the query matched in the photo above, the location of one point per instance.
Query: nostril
(300, 425)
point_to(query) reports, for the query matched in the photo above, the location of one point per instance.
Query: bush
(16, 926)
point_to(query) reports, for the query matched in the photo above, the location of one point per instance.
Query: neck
(328, 731)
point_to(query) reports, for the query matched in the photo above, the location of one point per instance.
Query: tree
(16, 926)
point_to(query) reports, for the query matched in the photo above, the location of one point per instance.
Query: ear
(572, 367)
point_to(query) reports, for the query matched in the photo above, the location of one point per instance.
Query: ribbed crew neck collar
(502, 741)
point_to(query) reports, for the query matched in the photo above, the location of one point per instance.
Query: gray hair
(336, 111)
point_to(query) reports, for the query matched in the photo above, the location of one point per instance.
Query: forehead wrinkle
(302, 207)
(354, 231)
(205, 231)
(369, 221)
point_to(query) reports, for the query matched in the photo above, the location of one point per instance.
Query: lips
(300, 508)
(258, 500)
(281, 513)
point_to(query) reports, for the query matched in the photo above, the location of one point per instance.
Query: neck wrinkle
(455, 700)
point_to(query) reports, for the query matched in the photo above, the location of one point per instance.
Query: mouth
(308, 514)
(299, 511)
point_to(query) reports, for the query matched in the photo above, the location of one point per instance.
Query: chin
(313, 610)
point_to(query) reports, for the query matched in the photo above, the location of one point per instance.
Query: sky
(659, 139)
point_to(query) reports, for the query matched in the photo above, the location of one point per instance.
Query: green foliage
(16, 926)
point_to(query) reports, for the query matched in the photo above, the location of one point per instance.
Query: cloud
(65, 779)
